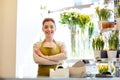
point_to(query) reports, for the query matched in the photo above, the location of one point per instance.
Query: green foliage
(104, 67)
(90, 29)
(104, 13)
(113, 40)
(69, 18)
(118, 8)
(83, 19)
(74, 18)
(98, 43)
(97, 9)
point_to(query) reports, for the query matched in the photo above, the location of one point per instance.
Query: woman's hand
(38, 52)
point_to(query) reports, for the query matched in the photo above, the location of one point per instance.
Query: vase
(74, 41)
(79, 41)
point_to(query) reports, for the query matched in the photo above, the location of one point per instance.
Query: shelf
(107, 29)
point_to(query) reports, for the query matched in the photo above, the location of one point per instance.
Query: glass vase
(74, 41)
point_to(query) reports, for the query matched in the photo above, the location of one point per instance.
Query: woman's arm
(40, 60)
(61, 56)
(57, 57)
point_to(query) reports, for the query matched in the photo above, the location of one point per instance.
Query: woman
(48, 53)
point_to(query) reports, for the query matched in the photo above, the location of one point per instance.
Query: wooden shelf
(67, 8)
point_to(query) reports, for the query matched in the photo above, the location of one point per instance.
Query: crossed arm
(41, 59)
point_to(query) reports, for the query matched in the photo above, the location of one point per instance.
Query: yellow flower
(101, 38)
(118, 3)
(103, 67)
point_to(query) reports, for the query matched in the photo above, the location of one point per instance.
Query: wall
(19, 29)
(28, 32)
(7, 37)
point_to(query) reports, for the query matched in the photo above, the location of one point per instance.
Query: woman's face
(49, 28)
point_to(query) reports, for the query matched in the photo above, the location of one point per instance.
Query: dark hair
(48, 19)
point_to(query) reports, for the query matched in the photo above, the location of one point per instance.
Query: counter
(47, 78)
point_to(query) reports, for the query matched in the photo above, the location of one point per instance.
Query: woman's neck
(49, 40)
(49, 43)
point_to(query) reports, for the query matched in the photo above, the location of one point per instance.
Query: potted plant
(113, 43)
(113, 40)
(104, 67)
(98, 45)
(98, 42)
(104, 15)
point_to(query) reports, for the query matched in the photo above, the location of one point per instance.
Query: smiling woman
(48, 53)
